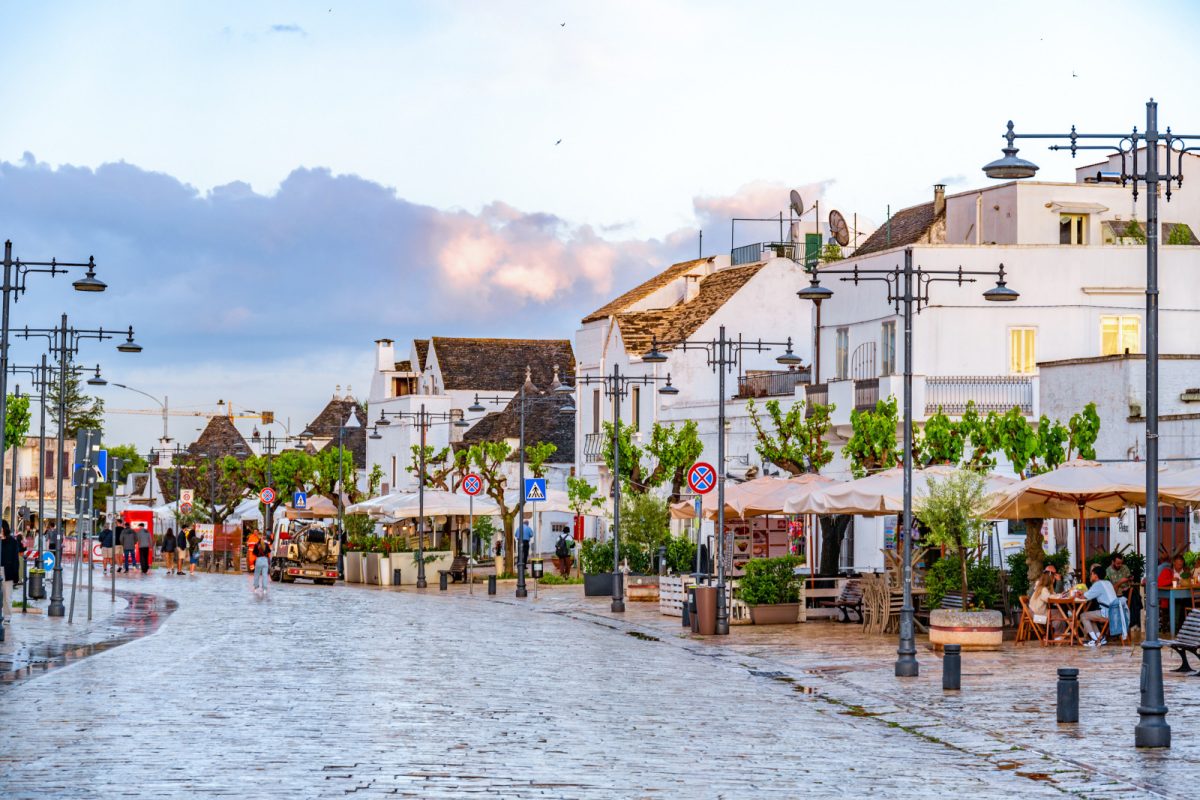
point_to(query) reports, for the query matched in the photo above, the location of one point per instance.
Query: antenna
(797, 203)
(794, 232)
(838, 228)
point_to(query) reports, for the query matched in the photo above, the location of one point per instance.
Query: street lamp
(422, 418)
(162, 404)
(64, 343)
(903, 297)
(1152, 729)
(723, 354)
(524, 401)
(616, 386)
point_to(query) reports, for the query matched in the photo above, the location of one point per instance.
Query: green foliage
(1017, 440)
(488, 459)
(797, 443)
(358, 525)
(1135, 231)
(832, 251)
(981, 436)
(582, 496)
(17, 420)
(645, 526)
(328, 463)
(771, 581)
(131, 462)
(536, 456)
(941, 442)
(1052, 442)
(945, 576)
(291, 471)
(1084, 429)
(1181, 233)
(952, 511)
(1018, 574)
(668, 455)
(681, 555)
(596, 556)
(872, 446)
(83, 411)
(484, 531)
(552, 579)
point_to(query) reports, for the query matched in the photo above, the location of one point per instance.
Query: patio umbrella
(1076, 490)
(878, 494)
(437, 503)
(1180, 487)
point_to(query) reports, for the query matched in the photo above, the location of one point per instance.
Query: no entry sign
(472, 484)
(702, 478)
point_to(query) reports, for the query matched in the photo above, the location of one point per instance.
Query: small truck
(304, 549)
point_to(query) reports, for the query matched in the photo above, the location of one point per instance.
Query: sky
(269, 187)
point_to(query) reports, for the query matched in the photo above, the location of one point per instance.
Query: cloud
(288, 28)
(757, 200)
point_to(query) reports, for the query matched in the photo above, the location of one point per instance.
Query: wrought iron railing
(27, 484)
(772, 383)
(593, 448)
(989, 393)
(758, 251)
(866, 394)
(817, 394)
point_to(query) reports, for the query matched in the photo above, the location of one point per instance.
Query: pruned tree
(795, 441)
(667, 457)
(941, 441)
(444, 468)
(872, 445)
(488, 459)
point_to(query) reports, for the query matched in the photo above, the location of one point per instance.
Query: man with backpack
(128, 540)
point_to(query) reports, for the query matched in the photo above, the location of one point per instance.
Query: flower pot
(973, 630)
(781, 614)
(599, 584)
(354, 567)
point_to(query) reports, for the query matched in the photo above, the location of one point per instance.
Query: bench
(850, 600)
(953, 601)
(457, 571)
(1186, 641)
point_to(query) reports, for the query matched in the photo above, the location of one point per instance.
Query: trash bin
(706, 610)
(396, 577)
(491, 584)
(442, 581)
(693, 620)
(37, 589)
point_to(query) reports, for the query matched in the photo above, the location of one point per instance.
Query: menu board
(758, 537)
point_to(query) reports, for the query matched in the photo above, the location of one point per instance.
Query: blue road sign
(300, 500)
(535, 489)
(47, 561)
(102, 465)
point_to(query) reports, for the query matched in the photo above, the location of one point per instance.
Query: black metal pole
(1152, 729)
(421, 582)
(56, 607)
(44, 379)
(721, 361)
(618, 594)
(521, 590)
(270, 507)
(906, 662)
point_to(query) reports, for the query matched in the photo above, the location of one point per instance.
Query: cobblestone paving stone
(343, 691)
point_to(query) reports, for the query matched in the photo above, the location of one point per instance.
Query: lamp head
(569, 408)
(1010, 167)
(375, 434)
(655, 356)
(89, 282)
(129, 345)
(789, 358)
(815, 291)
(1000, 293)
(668, 389)
(96, 380)
(476, 407)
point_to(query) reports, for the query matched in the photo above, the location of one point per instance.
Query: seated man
(1118, 574)
(1102, 592)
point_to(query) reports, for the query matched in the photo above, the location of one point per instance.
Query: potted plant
(951, 511)
(37, 588)
(563, 559)
(597, 560)
(772, 590)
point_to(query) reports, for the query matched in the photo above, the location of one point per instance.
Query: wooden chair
(1027, 625)
(954, 601)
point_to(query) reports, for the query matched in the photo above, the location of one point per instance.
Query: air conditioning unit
(1190, 395)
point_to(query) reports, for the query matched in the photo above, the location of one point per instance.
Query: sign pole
(470, 540)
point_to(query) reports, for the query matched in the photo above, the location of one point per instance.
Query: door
(1095, 537)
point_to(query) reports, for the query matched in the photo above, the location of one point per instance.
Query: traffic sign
(702, 478)
(187, 496)
(47, 561)
(472, 484)
(185, 508)
(300, 500)
(101, 465)
(535, 490)
(267, 495)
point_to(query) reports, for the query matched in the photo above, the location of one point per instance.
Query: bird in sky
(556, 144)
(1074, 74)
(562, 25)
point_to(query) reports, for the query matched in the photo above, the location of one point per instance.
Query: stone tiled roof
(680, 321)
(422, 348)
(544, 422)
(644, 290)
(403, 366)
(335, 413)
(909, 226)
(219, 438)
(500, 364)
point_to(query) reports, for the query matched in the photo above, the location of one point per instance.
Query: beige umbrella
(793, 492)
(1182, 487)
(1076, 490)
(878, 494)
(755, 498)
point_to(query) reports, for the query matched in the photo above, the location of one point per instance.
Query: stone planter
(641, 588)
(353, 565)
(781, 614)
(597, 585)
(376, 565)
(435, 560)
(973, 630)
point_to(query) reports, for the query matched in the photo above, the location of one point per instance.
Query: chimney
(691, 287)
(385, 355)
(939, 199)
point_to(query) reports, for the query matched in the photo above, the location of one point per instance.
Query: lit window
(1120, 334)
(1072, 228)
(1022, 351)
(888, 346)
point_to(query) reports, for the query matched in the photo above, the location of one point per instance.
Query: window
(1072, 228)
(1120, 334)
(48, 466)
(635, 400)
(1022, 351)
(595, 411)
(888, 347)
(842, 353)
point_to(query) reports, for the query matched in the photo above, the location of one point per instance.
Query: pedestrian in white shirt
(1103, 593)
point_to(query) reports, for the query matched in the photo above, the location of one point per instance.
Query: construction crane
(165, 411)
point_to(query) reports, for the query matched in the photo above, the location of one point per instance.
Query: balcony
(27, 484)
(989, 393)
(866, 394)
(772, 383)
(593, 448)
(799, 252)
(817, 394)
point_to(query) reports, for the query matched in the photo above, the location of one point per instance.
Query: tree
(797, 442)
(941, 442)
(444, 469)
(83, 411)
(291, 471)
(131, 463)
(1084, 429)
(536, 456)
(979, 434)
(488, 459)
(667, 457)
(832, 251)
(952, 511)
(872, 445)
(200, 475)
(1135, 231)
(1181, 233)
(645, 526)
(582, 496)
(17, 420)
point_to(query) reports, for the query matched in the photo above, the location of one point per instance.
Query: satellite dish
(838, 229)
(797, 203)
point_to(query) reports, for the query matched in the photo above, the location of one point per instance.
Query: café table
(1180, 590)
(1069, 609)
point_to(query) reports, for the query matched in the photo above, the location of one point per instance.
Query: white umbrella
(881, 493)
(556, 501)
(247, 510)
(437, 503)
(1180, 486)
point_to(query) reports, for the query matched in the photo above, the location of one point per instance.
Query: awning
(1063, 207)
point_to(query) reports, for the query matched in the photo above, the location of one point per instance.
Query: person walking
(9, 567)
(262, 558)
(145, 543)
(169, 551)
(193, 550)
(128, 540)
(106, 548)
(526, 536)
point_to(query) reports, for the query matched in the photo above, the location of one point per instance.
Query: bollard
(395, 577)
(491, 584)
(693, 620)
(952, 667)
(662, 560)
(1068, 694)
(442, 581)
(687, 611)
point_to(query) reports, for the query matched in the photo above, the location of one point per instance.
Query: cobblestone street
(325, 692)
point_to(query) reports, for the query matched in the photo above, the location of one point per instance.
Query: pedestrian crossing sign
(535, 489)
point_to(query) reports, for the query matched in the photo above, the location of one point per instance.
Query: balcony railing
(760, 251)
(27, 484)
(772, 383)
(593, 448)
(866, 394)
(990, 393)
(816, 394)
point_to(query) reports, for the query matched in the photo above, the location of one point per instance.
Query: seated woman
(1038, 605)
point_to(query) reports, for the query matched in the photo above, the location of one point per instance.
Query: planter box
(402, 562)
(641, 588)
(374, 568)
(782, 614)
(597, 585)
(352, 562)
(973, 630)
(436, 560)
(672, 592)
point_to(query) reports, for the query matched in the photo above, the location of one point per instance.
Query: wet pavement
(347, 691)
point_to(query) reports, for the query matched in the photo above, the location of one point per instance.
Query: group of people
(1103, 598)
(179, 551)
